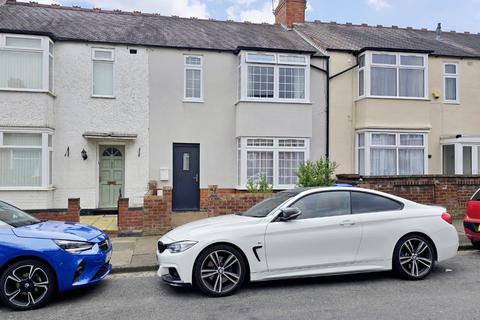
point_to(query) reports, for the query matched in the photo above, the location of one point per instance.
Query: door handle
(196, 178)
(346, 223)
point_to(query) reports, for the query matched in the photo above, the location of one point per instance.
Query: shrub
(259, 186)
(316, 173)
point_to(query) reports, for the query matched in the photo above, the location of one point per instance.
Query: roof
(135, 28)
(355, 38)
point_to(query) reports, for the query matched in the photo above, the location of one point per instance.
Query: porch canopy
(114, 136)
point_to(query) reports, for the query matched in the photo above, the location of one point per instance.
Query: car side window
(363, 202)
(324, 204)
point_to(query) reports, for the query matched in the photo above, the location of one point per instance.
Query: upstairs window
(450, 82)
(392, 75)
(193, 78)
(274, 77)
(26, 63)
(103, 60)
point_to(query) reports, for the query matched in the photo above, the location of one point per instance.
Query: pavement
(450, 292)
(134, 254)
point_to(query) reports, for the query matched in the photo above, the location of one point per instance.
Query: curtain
(21, 70)
(383, 139)
(20, 167)
(260, 165)
(384, 81)
(102, 78)
(451, 89)
(361, 161)
(411, 139)
(411, 161)
(288, 164)
(383, 162)
(193, 83)
(412, 83)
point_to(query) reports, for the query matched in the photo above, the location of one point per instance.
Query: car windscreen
(262, 209)
(15, 217)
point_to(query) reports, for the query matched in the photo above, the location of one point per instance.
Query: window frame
(368, 65)
(47, 135)
(243, 149)
(112, 61)
(245, 62)
(368, 146)
(186, 67)
(44, 49)
(455, 76)
(458, 146)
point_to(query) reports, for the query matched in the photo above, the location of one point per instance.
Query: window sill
(452, 102)
(193, 101)
(304, 102)
(103, 97)
(27, 188)
(29, 91)
(392, 98)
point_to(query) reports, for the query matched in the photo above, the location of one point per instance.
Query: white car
(308, 232)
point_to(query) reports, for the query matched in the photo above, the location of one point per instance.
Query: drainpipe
(327, 107)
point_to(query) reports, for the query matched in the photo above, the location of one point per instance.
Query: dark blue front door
(186, 177)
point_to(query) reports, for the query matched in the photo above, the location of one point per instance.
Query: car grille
(471, 226)
(103, 269)
(104, 245)
(161, 246)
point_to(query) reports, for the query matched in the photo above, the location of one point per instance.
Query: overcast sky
(458, 15)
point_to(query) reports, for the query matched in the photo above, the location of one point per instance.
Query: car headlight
(74, 246)
(180, 246)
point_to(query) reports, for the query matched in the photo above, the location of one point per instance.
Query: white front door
(325, 235)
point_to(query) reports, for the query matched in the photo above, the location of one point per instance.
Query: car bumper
(471, 227)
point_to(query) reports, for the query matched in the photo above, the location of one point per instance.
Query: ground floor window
(275, 159)
(386, 153)
(25, 159)
(461, 156)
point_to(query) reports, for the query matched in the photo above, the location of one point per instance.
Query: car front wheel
(26, 285)
(220, 270)
(413, 257)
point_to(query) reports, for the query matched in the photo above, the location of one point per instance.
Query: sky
(458, 15)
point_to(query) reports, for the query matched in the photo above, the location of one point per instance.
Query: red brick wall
(71, 214)
(221, 202)
(290, 11)
(450, 192)
(130, 220)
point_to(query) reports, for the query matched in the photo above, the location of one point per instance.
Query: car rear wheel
(413, 257)
(27, 285)
(220, 270)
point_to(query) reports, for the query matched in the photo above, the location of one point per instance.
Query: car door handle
(346, 223)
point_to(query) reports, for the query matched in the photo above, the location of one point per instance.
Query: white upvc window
(25, 159)
(276, 77)
(461, 156)
(275, 159)
(386, 153)
(193, 75)
(451, 86)
(26, 63)
(103, 79)
(393, 75)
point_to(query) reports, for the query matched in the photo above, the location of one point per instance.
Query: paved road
(451, 292)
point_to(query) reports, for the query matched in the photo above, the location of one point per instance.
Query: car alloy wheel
(220, 271)
(27, 285)
(414, 257)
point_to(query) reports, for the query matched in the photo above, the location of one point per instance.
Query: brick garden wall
(221, 202)
(451, 192)
(70, 214)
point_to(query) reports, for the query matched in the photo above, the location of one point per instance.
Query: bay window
(450, 83)
(391, 153)
(102, 72)
(25, 159)
(392, 75)
(274, 77)
(274, 159)
(26, 63)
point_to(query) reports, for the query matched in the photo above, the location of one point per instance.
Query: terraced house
(96, 103)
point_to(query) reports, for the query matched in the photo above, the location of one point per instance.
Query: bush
(316, 173)
(259, 186)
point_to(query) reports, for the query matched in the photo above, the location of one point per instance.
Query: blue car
(38, 259)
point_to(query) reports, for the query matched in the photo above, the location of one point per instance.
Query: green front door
(111, 175)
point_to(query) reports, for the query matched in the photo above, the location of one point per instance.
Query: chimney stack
(439, 31)
(289, 12)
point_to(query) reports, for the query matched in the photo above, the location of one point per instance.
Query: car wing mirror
(289, 214)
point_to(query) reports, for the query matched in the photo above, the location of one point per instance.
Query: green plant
(259, 186)
(316, 173)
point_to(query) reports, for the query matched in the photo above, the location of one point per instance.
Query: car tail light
(447, 217)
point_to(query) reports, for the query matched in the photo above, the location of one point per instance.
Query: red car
(472, 220)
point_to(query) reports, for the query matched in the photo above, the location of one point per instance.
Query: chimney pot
(289, 12)
(439, 30)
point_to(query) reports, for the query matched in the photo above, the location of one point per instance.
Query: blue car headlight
(74, 246)
(180, 246)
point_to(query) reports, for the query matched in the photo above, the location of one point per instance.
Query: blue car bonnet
(58, 230)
